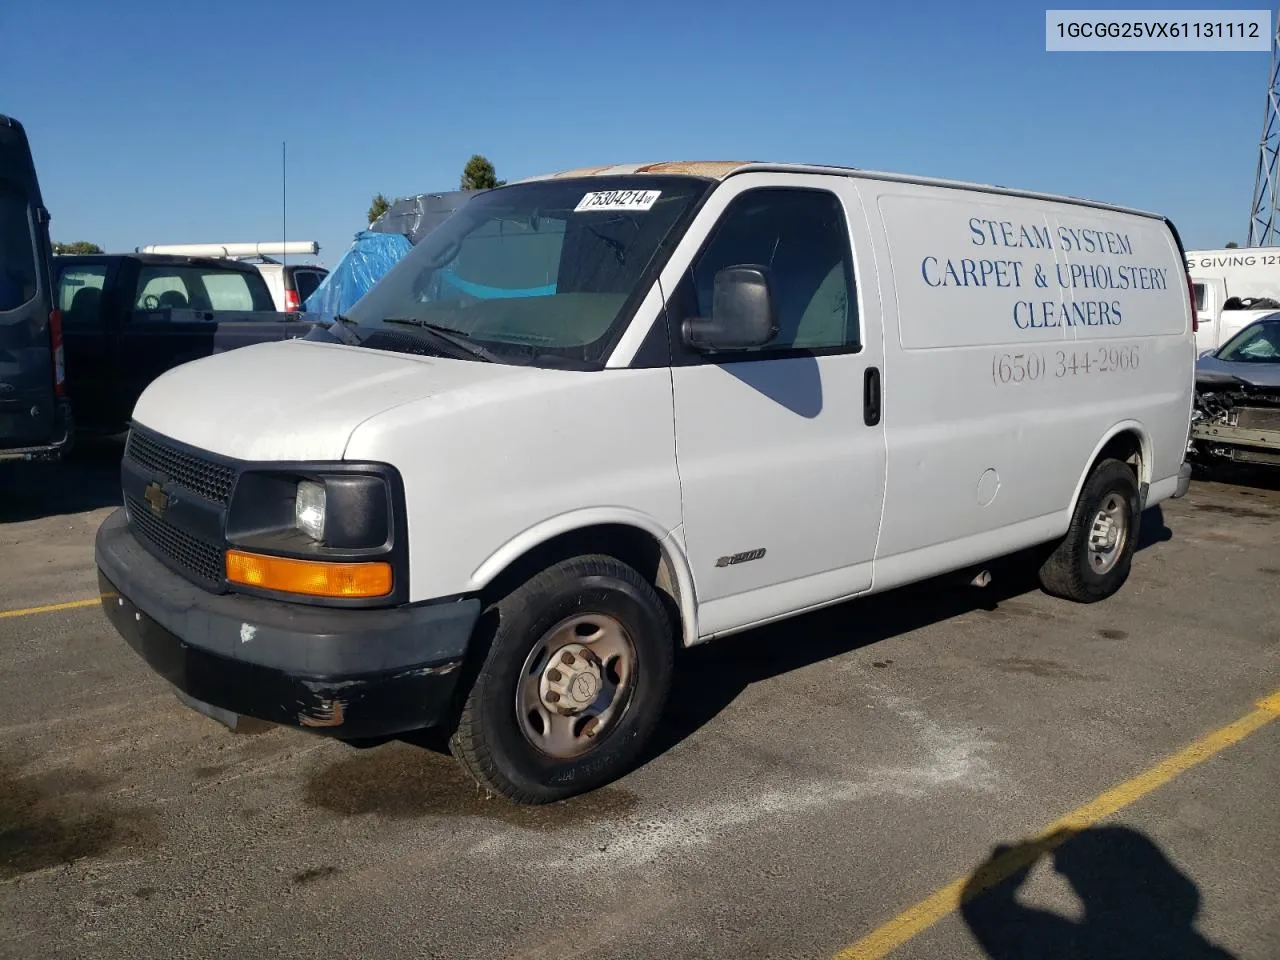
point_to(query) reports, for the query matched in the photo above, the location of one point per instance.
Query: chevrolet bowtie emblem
(156, 497)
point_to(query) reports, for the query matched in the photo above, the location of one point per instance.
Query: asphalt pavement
(816, 783)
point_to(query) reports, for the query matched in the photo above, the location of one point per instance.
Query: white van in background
(291, 283)
(1233, 287)
(601, 414)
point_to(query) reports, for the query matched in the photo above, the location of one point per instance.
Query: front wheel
(1092, 562)
(573, 685)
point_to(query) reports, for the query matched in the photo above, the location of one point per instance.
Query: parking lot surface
(815, 780)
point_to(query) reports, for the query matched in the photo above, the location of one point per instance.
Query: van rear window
(17, 251)
(306, 281)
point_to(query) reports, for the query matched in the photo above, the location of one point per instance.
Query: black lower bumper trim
(346, 672)
(353, 707)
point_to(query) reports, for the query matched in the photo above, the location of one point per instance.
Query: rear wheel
(573, 684)
(1092, 562)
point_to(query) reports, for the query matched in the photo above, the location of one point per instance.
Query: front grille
(204, 478)
(203, 561)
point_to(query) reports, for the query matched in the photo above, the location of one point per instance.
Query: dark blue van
(35, 416)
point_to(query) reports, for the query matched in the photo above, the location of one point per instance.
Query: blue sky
(162, 122)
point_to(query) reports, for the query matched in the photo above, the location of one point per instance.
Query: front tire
(574, 683)
(1092, 562)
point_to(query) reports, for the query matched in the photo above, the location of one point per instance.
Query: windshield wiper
(457, 339)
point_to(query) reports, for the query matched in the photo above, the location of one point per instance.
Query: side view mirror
(743, 313)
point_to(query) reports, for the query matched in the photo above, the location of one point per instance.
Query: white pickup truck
(1233, 287)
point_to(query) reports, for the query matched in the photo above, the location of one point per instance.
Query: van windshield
(554, 267)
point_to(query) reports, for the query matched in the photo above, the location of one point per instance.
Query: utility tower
(1263, 226)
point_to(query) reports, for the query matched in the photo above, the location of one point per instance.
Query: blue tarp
(377, 250)
(370, 256)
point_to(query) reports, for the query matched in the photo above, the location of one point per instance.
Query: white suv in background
(290, 284)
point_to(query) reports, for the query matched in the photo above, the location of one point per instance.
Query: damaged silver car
(1237, 407)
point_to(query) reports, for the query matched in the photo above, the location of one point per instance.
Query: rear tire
(525, 736)
(1093, 560)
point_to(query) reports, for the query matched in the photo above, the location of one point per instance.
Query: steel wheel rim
(1108, 534)
(575, 685)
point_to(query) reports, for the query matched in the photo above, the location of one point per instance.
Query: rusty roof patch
(719, 169)
(580, 172)
(715, 169)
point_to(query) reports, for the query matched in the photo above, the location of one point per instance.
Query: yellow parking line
(50, 608)
(927, 912)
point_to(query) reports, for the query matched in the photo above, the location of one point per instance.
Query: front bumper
(348, 673)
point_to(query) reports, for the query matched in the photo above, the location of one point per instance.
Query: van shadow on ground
(709, 677)
(87, 479)
(1136, 902)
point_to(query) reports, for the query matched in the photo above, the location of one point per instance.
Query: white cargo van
(1232, 287)
(597, 415)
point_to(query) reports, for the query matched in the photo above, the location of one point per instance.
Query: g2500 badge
(743, 557)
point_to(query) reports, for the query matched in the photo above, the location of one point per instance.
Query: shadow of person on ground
(86, 479)
(1136, 902)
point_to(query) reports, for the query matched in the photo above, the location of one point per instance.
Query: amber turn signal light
(313, 578)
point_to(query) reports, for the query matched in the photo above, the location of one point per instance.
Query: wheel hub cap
(571, 681)
(1108, 533)
(575, 684)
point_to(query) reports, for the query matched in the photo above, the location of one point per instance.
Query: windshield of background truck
(550, 267)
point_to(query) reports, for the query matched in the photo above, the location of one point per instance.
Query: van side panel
(1144, 359)
(29, 414)
(1003, 374)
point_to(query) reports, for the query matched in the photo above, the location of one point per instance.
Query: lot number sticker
(618, 200)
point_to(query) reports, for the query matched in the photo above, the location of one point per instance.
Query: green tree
(1231, 245)
(78, 247)
(479, 174)
(379, 206)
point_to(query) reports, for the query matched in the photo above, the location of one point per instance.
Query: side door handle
(871, 396)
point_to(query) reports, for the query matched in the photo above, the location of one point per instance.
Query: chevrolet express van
(597, 415)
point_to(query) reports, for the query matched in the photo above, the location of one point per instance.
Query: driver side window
(800, 237)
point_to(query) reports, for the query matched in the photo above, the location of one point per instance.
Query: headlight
(314, 509)
(309, 508)
(329, 533)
